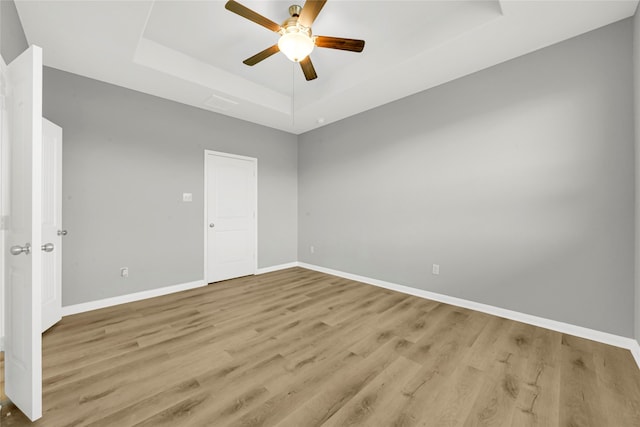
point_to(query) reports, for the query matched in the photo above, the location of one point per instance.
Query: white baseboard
(1, 343)
(277, 267)
(122, 299)
(604, 337)
(566, 328)
(635, 351)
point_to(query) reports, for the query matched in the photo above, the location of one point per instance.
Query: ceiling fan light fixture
(296, 41)
(296, 44)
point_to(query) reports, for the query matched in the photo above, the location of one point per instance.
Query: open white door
(23, 304)
(51, 224)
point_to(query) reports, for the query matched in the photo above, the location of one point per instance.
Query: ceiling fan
(296, 41)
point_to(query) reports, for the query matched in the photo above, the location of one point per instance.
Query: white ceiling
(192, 51)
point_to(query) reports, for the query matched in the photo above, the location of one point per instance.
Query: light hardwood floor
(300, 348)
(3, 398)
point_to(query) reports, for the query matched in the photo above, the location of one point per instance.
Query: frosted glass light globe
(295, 45)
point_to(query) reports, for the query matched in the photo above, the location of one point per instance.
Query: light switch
(187, 197)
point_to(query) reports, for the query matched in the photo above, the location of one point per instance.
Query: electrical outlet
(435, 269)
(312, 249)
(124, 272)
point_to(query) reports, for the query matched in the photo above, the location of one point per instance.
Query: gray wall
(12, 39)
(128, 157)
(517, 180)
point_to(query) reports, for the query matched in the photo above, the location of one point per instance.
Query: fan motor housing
(291, 25)
(294, 10)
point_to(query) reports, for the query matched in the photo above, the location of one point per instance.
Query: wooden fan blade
(261, 56)
(245, 12)
(310, 12)
(352, 45)
(307, 69)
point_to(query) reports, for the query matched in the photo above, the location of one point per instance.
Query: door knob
(62, 232)
(212, 225)
(47, 247)
(17, 250)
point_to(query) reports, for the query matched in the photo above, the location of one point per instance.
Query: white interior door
(23, 305)
(51, 224)
(231, 204)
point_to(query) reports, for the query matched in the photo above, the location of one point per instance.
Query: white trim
(579, 331)
(206, 195)
(122, 299)
(204, 215)
(273, 268)
(635, 351)
(4, 180)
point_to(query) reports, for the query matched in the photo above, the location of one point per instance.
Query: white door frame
(205, 224)
(4, 193)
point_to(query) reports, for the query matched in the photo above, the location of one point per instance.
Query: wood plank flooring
(3, 397)
(300, 348)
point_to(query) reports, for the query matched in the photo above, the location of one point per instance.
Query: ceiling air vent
(219, 103)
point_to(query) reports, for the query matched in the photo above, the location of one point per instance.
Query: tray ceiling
(192, 51)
